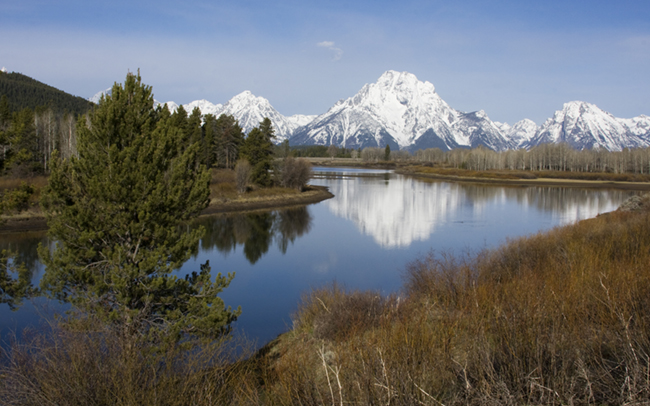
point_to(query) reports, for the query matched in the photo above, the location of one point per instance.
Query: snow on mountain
(250, 110)
(204, 106)
(95, 99)
(584, 126)
(170, 105)
(480, 130)
(520, 133)
(403, 112)
(300, 120)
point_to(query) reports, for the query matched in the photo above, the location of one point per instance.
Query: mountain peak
(402, 81)
(246, 95)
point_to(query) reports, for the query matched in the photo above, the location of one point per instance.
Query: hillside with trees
(25, 92)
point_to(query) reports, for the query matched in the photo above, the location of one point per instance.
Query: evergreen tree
(228, 138)
(258, 150)
(194, 133)
(115, 213)
(20, 153)
(207, 132)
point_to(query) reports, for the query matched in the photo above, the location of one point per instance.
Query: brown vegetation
(557, 318)
(67, 367)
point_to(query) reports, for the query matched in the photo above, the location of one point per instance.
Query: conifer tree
(228, 138)
(115, 213)
(258, 150)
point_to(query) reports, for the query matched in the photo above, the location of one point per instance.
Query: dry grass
(7, 183)
(557, 318)
(223, 189)
(97, 368)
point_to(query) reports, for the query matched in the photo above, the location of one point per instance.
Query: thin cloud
(338, 52)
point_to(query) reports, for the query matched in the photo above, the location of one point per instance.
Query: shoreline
(314, 194)
(578, 183)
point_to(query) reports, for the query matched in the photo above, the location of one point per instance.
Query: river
(363, 238)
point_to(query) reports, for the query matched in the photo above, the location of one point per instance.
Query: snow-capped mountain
(403, 112)
(249, 110)
(584, 126)
(519, 134)
(205, 106)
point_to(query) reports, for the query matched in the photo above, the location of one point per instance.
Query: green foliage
(20, 145)
(17, 200)
(115, 212)
(24, 92)
(226, 137)
(319, 151)
(387, 153)
(258, 150)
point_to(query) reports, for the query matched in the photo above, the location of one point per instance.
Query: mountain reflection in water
(397, 210)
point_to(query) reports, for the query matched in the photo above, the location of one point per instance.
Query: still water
(362, 239)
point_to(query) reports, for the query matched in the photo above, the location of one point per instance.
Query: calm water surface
(362, 239)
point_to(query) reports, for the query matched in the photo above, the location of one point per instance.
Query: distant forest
(24, 92)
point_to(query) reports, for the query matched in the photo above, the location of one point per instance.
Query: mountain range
(405, 113)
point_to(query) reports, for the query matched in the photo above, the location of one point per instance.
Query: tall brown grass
(557, 318)
(69, 367)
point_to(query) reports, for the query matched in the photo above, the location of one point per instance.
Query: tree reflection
(256, 232)
(24, 246)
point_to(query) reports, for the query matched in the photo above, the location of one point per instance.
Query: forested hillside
(25, 92)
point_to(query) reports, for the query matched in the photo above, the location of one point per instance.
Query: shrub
(295, 173)
(17, 200)
(242, 175)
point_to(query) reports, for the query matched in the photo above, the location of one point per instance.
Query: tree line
(545, 157)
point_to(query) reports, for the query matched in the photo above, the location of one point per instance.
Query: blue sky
(513, 59)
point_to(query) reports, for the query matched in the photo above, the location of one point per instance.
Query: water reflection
(256, 232)
(396, 210)
(25, 248)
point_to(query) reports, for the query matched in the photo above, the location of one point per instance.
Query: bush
(295, 173)
(17, 200)
(242, 175)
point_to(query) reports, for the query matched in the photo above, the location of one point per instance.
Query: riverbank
(556, 318)
(521, 178)
(559, 317)
(272, 198)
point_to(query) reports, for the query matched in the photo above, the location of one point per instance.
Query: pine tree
(258, 150)
(228, 138)
(115, 213)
